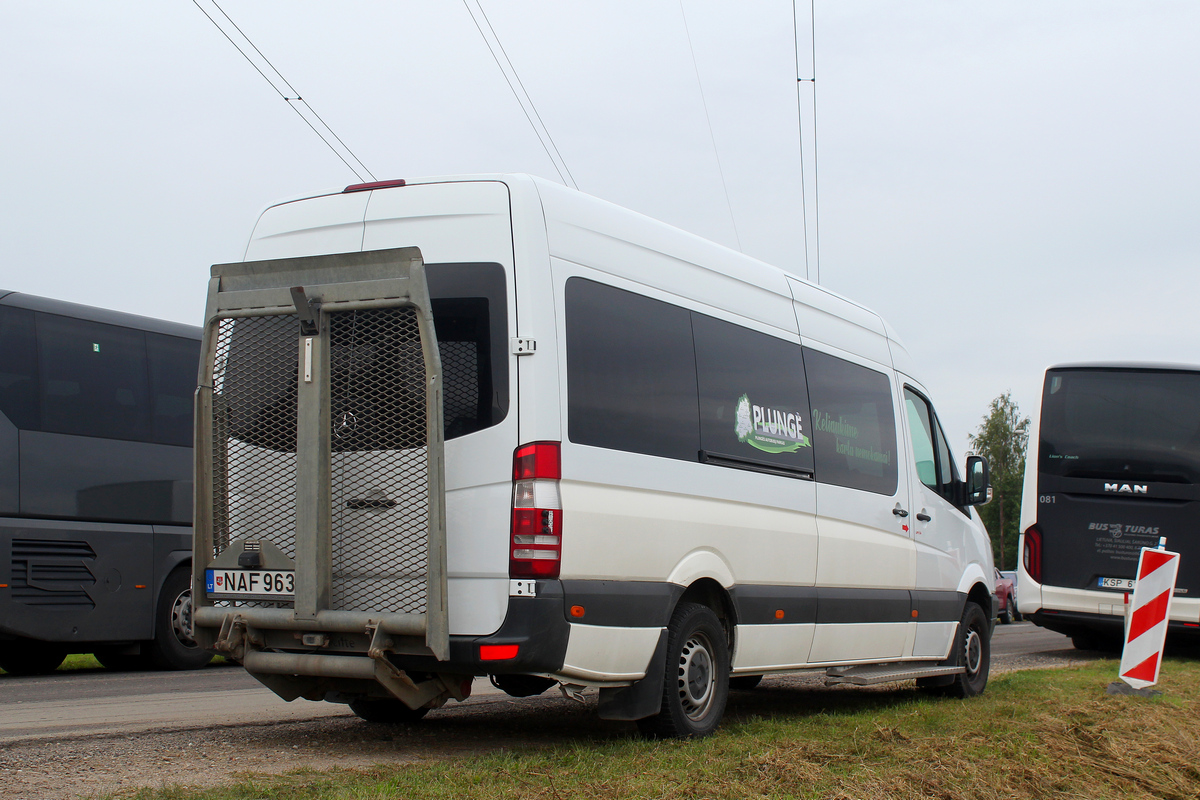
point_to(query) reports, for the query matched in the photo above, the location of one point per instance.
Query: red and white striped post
(1146, 632)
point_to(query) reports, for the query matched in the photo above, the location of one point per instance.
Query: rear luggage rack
(320, 435)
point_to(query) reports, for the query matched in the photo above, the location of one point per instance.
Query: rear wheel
(113, 659)
(386, 710)
(696, 683)
(26, 657)
(521, 685)
(745, 683)
(1090, 640)
(173, 646)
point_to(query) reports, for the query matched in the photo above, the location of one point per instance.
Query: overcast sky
(1010, 184)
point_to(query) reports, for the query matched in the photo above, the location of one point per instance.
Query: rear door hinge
(523, 346)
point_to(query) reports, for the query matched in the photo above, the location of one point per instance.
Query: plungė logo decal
(769, 429)
(1127, 488)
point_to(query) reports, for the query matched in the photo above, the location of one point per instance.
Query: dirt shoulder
(206, 755)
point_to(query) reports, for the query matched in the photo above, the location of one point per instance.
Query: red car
(1006, 593)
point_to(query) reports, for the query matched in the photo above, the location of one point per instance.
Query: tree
(1002, 439)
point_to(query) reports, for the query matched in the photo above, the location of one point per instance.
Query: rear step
(886, 673)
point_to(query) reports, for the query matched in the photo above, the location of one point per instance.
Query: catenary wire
(812, 11)
(720, 170)
(562, 160)
(800, 131)
(288, 100)
(542, 133)
(294, 91)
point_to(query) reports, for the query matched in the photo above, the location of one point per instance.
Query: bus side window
(18, 368)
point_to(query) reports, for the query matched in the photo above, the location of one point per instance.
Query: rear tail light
(1032, 555)
(535, 549)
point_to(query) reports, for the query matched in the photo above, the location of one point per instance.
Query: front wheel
(386, 710)
(972, 650)
(696, 681)
(1006, 616)
(173, 646)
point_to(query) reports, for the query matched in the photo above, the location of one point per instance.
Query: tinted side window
(470, 314)
(94, 380)
(631, 372)
(173, 365)
(854, 424)
(753, 399)
(18, 368)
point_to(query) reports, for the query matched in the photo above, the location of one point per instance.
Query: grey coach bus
(95, 486)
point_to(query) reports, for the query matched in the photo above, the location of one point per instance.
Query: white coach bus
(489, 425)
(1114, 466)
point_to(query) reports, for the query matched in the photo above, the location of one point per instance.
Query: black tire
(386, 710)
(1090, 640)
(1006, 616)
(973, 650)
(26, 657)
(173, 646)
(696, 683)
(1015, 613)
(744, 683)
(121, 662)
(521, 685)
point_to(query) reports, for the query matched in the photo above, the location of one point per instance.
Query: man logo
(1126, 488)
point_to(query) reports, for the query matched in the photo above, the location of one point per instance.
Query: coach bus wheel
(25, 657)
(696, 684)
(111, 658)
(173, 646)
(386, 710)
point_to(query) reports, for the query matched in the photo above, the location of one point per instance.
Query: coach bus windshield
(1136, 424)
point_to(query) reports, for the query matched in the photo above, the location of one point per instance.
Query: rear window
(1134, 424)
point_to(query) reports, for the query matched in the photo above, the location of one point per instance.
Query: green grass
(1035, 734)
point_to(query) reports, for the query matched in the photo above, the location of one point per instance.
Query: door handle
(923, 517)
(900, 512)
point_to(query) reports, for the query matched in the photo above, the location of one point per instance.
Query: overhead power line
(238, 38)
(717, 153)
(518, 89)
(800, 81)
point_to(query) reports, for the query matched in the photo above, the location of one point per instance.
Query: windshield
(1136, 424)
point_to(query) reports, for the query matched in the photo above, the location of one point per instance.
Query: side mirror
(976, 488)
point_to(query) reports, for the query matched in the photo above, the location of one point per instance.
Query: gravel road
(209, 754)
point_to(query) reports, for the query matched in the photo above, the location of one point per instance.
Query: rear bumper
(1071, 623)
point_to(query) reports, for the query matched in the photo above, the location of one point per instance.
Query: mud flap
(643, 698)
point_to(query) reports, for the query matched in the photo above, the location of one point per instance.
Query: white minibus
(491, 426)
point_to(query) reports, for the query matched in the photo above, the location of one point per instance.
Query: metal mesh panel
(254, 431)
(379, 461)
